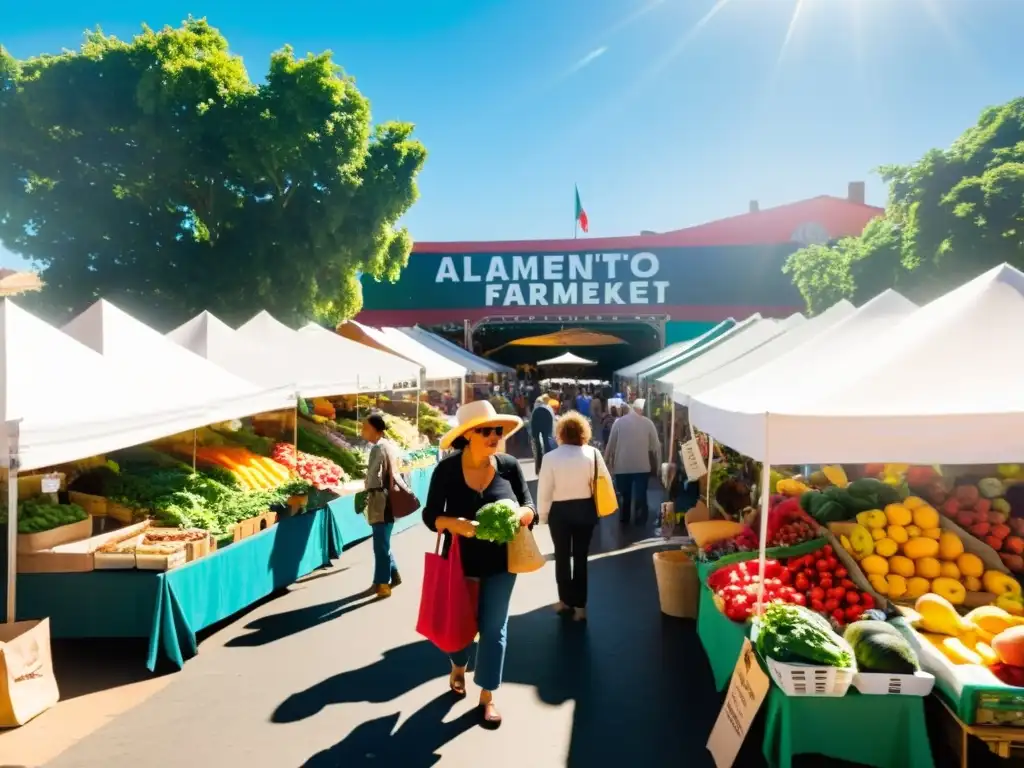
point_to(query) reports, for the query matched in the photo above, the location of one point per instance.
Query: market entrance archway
(641, 336)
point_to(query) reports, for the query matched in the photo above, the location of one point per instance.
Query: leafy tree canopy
(951, 216)
(155, 174)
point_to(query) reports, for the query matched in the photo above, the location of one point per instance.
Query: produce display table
(881, 731)
(170, 607)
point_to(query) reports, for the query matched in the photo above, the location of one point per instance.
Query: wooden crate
(37, 542)
(1001, 740)
(124, 514)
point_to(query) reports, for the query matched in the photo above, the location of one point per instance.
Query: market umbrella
(567, 337)
(567, 359)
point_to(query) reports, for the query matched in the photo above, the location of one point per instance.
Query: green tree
(154, 173)
(951, 216)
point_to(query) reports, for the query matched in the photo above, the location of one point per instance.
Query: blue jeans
(632, 486)
(492, 618)
(383, 561)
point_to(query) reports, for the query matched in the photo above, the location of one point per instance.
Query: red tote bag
(448, 602)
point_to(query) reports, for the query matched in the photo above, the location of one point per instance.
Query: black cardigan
(450, 496)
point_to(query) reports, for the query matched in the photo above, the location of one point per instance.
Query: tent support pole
(195, 445)
(13, 431)
(711, 462)
(295, 433)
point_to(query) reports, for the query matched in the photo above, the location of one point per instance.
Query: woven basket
(523, 553)
(678, 585)
(93, 505)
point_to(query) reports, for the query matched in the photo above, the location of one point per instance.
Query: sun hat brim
(511, 424)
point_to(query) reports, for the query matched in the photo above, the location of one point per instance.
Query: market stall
(170, 608)
(629, 375)
(474, 364)
(896, 536)
(153, 484)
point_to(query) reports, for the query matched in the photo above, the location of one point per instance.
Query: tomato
(841, 573)
(801, 583)
(827, 549)
(822, 566)
(825, 582)
(799, 599)
(839, 616)
(853, 598)
(867, 601)
(847, 584)
(817, 593)
(786, 577)
(832, 564)
(831, 604)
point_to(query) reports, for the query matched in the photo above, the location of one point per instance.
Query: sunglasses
(486, 431)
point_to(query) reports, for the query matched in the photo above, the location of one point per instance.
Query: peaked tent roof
(696, 350)
(168, 367)
(454, 352)
(104, 404)
(751, 411)
(210, 337)
(566, 359)
(755, 335)
(377, 368)
(436, 367)
(672, 350)
(789, 339)
(300, 357)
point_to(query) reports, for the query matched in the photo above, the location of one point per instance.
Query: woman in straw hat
(461, 485)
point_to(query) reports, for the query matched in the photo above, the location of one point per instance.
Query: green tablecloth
(881, 731)
(170, 608)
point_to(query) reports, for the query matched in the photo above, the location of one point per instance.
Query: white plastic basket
(810, 679)
(881, 684)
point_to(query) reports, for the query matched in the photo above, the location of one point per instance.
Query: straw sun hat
(479, 413)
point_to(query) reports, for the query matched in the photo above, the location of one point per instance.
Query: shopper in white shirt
(565, 502)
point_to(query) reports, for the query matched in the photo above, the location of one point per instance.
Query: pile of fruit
(735, 588)
(788, 524)
(987, 636)
(744, 541)
(905, 553)
(817, 580)
(988, 518)
(322, 474)
(880, 647)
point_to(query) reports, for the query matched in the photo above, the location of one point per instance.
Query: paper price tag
(693, 461)
(51, 483)
(747, 690)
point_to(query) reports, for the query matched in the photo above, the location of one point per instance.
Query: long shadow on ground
(640, 683)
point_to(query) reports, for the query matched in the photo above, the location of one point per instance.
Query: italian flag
(581, 215)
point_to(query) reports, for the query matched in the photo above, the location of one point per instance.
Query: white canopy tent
(169, 372)
(375, 369)
(568, 358)
(435, 366)
(763, 354)
(63, 401)
(301, 358)
(751, 414)
(455, 353)
(256, 361)
(672, 350)
(749, 338)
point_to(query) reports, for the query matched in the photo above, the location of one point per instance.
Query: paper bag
(28, 686)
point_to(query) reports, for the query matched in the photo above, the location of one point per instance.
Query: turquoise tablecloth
(170, 608)
(881, 731)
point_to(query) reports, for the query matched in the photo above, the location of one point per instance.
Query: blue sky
(665, 113)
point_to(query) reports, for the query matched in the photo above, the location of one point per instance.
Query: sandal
(491, 717)
(457, 682)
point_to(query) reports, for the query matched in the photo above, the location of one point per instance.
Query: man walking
(542, 430)
(632, 454)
